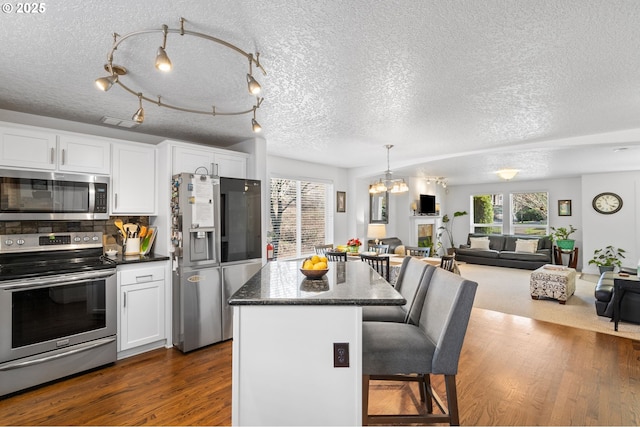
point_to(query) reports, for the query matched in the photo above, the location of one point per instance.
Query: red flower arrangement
(354, 242)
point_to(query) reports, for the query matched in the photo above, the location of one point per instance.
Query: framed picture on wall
(341, 201)
(564, 207)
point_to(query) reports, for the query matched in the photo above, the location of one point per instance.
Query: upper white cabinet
(205, 160)
(83, 154)
(133, 179)
(41, 149)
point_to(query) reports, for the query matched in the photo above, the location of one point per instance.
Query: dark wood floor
(513, 371)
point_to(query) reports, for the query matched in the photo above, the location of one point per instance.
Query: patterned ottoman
(553, 281)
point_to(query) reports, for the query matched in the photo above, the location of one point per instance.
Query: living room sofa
(393, 243)
(629, 308)
(501, 251)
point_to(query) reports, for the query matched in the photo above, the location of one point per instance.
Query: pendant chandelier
(164, 64)
(388, 183)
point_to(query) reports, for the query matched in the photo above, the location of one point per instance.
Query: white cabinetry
(36, 148)
(228, 163)
(133, 180)
(141, 305)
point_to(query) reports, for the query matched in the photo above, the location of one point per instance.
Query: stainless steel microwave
(30, 195)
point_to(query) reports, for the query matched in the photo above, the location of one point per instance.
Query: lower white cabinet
(141, 306)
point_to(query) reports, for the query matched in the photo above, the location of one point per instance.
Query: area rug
(507, 290)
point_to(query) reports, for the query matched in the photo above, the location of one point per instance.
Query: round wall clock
(607, 203)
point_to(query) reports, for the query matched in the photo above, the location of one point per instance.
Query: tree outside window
(298, 216)
(530, 213)
(487, 213)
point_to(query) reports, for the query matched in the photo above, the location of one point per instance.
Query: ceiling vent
(123, 123)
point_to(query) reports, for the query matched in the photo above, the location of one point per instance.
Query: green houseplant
(447, 228)
(608, 258)
(561, 237)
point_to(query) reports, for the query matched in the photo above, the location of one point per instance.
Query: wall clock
(607, 203)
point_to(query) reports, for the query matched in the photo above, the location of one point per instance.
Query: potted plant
(608, 258)
(447, 228)
(561, 236)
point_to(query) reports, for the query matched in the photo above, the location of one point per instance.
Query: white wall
(620, 229)
(282, 167)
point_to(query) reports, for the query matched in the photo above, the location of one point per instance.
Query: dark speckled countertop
(346, 283)
(122, 260)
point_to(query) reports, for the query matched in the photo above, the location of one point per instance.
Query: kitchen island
(297, 344)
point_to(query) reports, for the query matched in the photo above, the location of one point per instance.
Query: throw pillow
(527, 245)
(399, 250)
(479, 243)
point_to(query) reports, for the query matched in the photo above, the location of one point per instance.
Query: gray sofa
(393, 243)
(502, 252)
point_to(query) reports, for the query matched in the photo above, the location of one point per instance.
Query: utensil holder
(132, 246)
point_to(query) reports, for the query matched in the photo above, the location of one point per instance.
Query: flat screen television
(427, 204)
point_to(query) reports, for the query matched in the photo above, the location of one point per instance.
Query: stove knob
(86, 238)
(8, 242)
(77, 239)
(95, 238)
(20, 241)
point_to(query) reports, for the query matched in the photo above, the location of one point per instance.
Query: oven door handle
(78, 349)
(51, 281)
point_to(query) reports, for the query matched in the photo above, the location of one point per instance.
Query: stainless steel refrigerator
(240, 239)
(196, 282)
(216, 235)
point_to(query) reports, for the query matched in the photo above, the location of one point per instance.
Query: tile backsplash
(104, 226)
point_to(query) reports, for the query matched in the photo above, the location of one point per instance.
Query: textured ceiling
(513, 83)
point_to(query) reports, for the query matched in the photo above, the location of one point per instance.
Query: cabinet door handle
(53, 152)
(124, 298)
(115, 200)
(63, 156)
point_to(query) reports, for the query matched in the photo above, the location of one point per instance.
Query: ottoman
(553, 281)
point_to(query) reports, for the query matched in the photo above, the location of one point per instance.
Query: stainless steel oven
(57, 309)
(29, 195)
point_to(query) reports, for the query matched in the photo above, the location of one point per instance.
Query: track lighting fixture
(253, 86)
(163, 63)
(437, 180)
(388, 183)
(138, 117)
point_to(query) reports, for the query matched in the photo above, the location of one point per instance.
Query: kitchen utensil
(130, 229)
(143, 231)
(118, 223)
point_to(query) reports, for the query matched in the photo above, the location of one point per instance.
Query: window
(530, 213)
(487, 213)
(299, 216)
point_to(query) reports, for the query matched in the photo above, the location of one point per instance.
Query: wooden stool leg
(365, 400)
(452, 399)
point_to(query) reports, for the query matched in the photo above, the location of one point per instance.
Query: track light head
(256, 126)
(105, 83)
(138, 117)
(163, 63)
(253, 86)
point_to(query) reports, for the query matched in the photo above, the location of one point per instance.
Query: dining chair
(447, 262)
(417, 251)
(321, 249)
(378, 263)
(408, 352)
(411, 275)
(336, 256)
(379, 249)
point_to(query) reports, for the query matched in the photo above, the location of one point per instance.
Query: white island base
(283, 365)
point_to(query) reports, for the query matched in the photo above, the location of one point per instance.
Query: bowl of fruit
(314, 267)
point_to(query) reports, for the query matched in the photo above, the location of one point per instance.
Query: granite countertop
(346, 283)
(123, 260)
